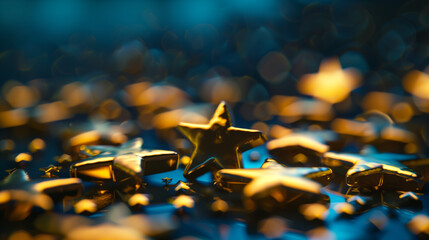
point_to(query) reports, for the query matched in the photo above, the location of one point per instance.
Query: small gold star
(331, 84)
(183, 201)
(377, 170)
(17, 188)
(183, 188)
(167, 180)
(49, 171)
(218, 144)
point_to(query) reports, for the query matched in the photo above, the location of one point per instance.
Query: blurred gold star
(49, 171)
(217, 144)
(417, 83)
(378, 170)
(183, 188)
(303, 178)
(182, 201)
(17, 190)
(332, 83)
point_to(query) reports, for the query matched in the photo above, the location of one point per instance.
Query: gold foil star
(18, 193)
(126, 164)
(297, 150)
(218, 144)
(182, 201)
(50, 170)
(19, 179)
(273, 180)
(377, 170)
(274, 172)
(183, 188)
(331, 84)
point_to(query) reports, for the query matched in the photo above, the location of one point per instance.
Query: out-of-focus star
(19, 180)
(297, 149)
(332, 83)
(95, 132)
(183, 201)
(183, 188)
(132, 146)
(285, 185)
(377, 170)
(50, 171)
(218, 144)
(417, 83)
(18, 193)
(167, 180)
(126, 164)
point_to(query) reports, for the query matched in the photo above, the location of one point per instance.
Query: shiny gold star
(19, 179)
(331, 84)
(17, 190)
(286, 185)
(183, 188)
(377, 170)
(298, 149)
(126, 164)
(50, 170)
(132, 146)
(270, 173)
(218, 144)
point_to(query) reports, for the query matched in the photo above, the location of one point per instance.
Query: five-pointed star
(17, 188)
(95, 132)
(377, 170)
(331, 83)
(183, 188)
(19, 180)
(304, 180)
(218, 144)
(125, 164)
(50, 171)
(301, 149)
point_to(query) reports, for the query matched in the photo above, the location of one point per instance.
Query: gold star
(377, 170)
(17, 190)
(126, 164)
(331, 84)
(166, 180)
(49, 171)
(132, 146)
(299, 149)
(183, 188)
(285, 185)
(19, 179)
(183, 201)
(218, 144)
(95, 132)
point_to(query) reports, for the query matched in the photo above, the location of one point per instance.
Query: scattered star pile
(188, 119)
(301, 183)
